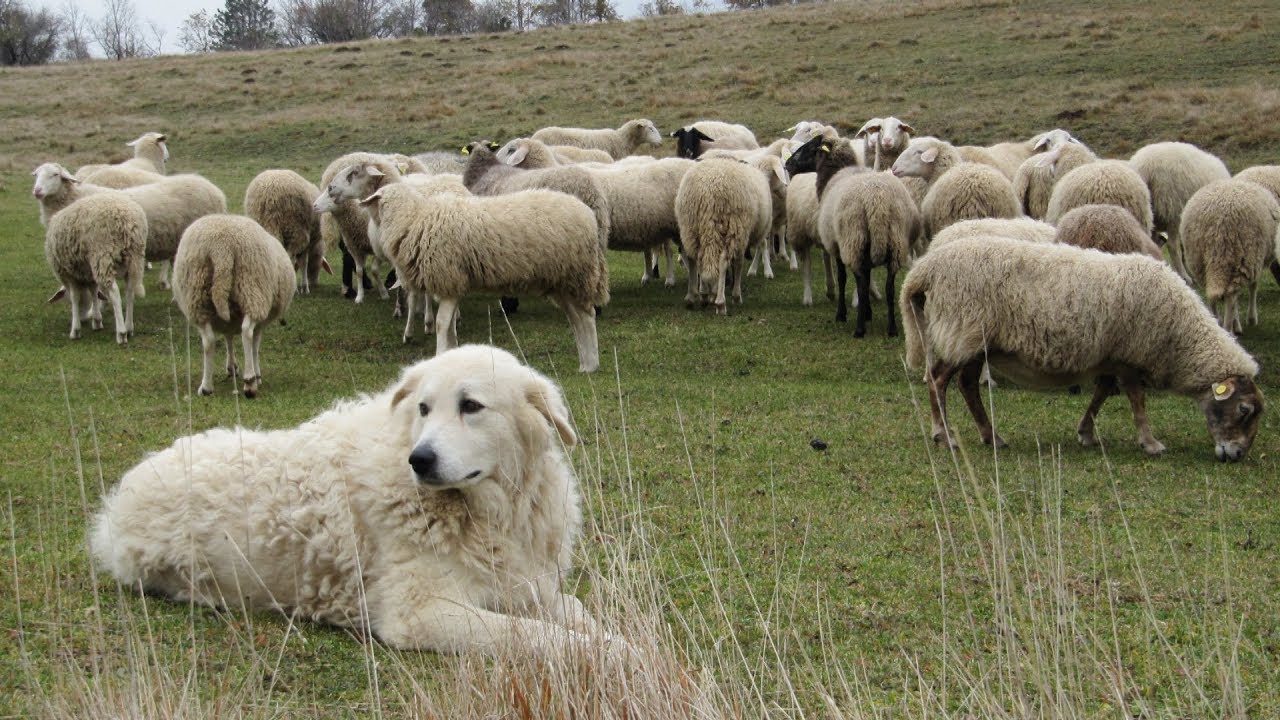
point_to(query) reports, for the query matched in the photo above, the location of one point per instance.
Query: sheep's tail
(915, 324)
(222, 271)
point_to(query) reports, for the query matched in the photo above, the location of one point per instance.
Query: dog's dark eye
(423, 409)
(468, 406)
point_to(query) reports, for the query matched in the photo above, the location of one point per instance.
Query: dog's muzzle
(424, 462)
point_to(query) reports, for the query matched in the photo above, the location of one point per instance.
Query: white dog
(439, 513)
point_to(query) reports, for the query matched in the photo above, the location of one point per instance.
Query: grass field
(1047, 581)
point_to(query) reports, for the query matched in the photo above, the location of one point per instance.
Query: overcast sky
(169, 14)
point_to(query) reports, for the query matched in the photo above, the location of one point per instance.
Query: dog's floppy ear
(545, 397)
(408, 384)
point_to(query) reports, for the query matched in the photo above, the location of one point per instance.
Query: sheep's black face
(689, 142)
(1232, 409)
(805, 158)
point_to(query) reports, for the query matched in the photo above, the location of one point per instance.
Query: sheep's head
(480, 147)
(918, 159)
(645, 132)
(689, 142)
(890, 133)
(50, 179)
(148, 140)
(1052, 140)
(1232, 408)
(515, 151)
(805, 158)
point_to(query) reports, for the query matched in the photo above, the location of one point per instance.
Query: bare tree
(196, 33)
(117, 32)
(303, 22)
(27, 37)
(404, 17)
(75, 32)
(155, 35)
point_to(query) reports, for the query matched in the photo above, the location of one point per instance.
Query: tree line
(31, 35)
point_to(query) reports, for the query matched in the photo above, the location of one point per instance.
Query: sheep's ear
(1224, 389)
(929, 155)
(58, 295)
(780, 172)
(1039, 141)
(677, 133)
(908, 128)
(372, 199)
(546, 399)
(519, 155)
(132, 143)
(374, 171)
(493, 146)
(68, 177)
(326, 266)
(1050, 160)
(870, 126)
(791, 129)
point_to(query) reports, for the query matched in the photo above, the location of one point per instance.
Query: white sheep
(802, 232)
(1228, 236)
(722, 207)
(231, 277)
(884, 139)
(1036, 176)
(1108, 228)
(957, 189)
(436, 162)
(119, 177)
(530, 153)
(619, 142)
(704, 135)
(281, 202)
(1102, 182)
(1268, 176)
(1024, 229)
(866, 219)
(529, 242)
(171, 204)
(1173, 172)
(768, 160)
(1054, 315)
(91, 244)
(150, 153)
(1008, 156)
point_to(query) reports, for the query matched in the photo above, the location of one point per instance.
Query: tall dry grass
(1016, 639)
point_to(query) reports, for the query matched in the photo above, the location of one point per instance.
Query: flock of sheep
(1035, 257)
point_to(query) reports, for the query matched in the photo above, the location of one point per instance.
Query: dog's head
(475, 413)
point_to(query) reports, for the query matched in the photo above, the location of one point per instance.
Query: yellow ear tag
(403, 167)
(466, 150)
(826, 148)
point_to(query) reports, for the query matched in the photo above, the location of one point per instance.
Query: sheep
(806, 130)
(1228, 236)
(697, 138)
(1268, 176)
(619, 143)
(486, 175)
(1033, 182)
(1024, 229)
(1102, 182)
(531, 241)
(1059, 315)
(532, 154)
(438, 162)
(1173, 172)
(281, 202)
(1007, 157)
(231, 277)
(150, 153)
(722, 207)
(88, 246)
(119, 177)
(1108, 228)
(345, 219)
(888, 136)
(957, 190)
(802, 232)
(171, 204)
(866, 219)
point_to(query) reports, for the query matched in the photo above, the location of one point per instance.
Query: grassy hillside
(1049, 579)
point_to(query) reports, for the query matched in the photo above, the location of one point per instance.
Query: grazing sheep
(1007, 157)
(619, 142)
(957, 190)
(348, 221)
(1228, 236)
(150, 153)
(1036, 176)
(704, 135)
(1173, 172)
(231, 277)
(439, 162)
(884, 139)
(171, 204)
(1102, 182)
(119, 177)
(1024, 229)
(865, 219)
(281, 202)
(1268, 176)
(1108, 228)
(88, 246)
(531, 154)
(1059, 315)
(486, 175)
(531, 241)
(722, 207)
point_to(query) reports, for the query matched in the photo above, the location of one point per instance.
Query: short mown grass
(1049, 580)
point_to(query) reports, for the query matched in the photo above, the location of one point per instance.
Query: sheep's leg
(208, 344)
(1104, 386)
(1137, 402)
(875, 292)
(1175, 256)
(826, 267)
(95, 309)
(691, 271)
(232, 370)
(892, 306)
(969, 389)
(806, 272)
(842, 280)
(790, 254)
(986, 378)
(862, 283)
(74, 297)
(446, 328)
(755, 259)
(407, 337)
(164, 274)
(1275, 270)
(647, 262)
(359, 277)
(671, 265)
(1231, 314)
(582, 320)
(1253, 303)
(117, 309)
(250, 334)
(737, 279)
(767, 252)
(428, 318)
(938, 378)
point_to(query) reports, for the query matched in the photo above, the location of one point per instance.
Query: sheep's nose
(423, 461)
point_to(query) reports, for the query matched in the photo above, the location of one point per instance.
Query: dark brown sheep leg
(1104, 386)
(939, 377)
(969, 389)
(1133, 388)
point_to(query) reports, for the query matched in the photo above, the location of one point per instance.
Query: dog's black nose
(423, 461)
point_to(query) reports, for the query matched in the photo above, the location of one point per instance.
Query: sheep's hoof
(893, 332)
(251, 387)
(164, 285)
(670, 282)
(1153, 448)
(688, 305)
(1086, 440)
(206, 391)
(999, 442)
(96, 324)
(768, 275)
(407, 339)
(807, 302)
(859, 332)
(940, 438)
(397, 312)
(74, 335)
(122, 338)
(831, 295)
